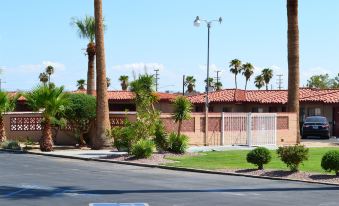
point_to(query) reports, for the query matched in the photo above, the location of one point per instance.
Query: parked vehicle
(316, 126)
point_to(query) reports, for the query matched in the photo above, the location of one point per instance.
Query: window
(273, 109)
(199, 109)
(226, 109)
(283, 109)
(314, 111)
(257, 110)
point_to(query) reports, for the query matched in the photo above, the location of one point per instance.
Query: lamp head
(197, 21)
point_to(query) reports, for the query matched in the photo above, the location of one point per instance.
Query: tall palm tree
(124, 82)
(218, 86)
(267, 74)
(81, 84)
(235, 68)
(52, 101)
(86, 30)
(108, 81)
(259, 81)
(43, 77)
(190, 83)
(247, 71)
(102, 119)
(293, 59)
(182, 111)
(49, 71)
(7, 104)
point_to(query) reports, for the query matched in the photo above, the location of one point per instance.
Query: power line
(156, 79)
(280, 81)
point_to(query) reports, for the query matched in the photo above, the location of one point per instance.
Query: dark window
(122, 107)
(226, 109)
(273, 109)
(199, 109)
(283, 109)
(210, 109)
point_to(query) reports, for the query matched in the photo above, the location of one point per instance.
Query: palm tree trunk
(2, 130)
(293, 60)
(46, 141)
(266, 86)
(235, 81)
(90, 70)
(102, 118)
(246, 84)
(179, 127)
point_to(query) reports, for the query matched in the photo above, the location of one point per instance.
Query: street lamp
(197, 23)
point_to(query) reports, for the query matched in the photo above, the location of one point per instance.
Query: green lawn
(237, 159)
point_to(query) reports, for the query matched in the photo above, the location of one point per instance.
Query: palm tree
(190, 83)
(267, 74)
(235, 68)
(49, 71)
(102, 119)
(7, 104)
(218, 86)
(86, 30)
(182, 111)
(108, 81)
(247, 71)
(52, 101)
(81, 84)
(124, 82)
(259, 81)
(43, 78)
(293, 59)
(210, 82)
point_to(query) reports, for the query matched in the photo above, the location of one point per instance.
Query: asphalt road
(37, 180)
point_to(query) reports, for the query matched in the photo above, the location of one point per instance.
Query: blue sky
(160, 34)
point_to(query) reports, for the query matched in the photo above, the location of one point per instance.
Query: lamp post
(197, 23)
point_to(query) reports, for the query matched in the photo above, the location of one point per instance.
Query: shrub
(178, 143)
(293, 156)
(259, 156)
(13, 145)
(123, 137)
(160, 137)
(330, 162)
(143, 148)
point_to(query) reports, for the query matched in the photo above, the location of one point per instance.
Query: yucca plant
(182, 111)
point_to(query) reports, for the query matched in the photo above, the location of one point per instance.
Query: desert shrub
(293, 156)
(143, 149)
(11, 144)
(177, 143)
(124, 137)
(259, 156)
(160, 137)
(330, 162)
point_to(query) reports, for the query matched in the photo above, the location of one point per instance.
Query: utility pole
(218, 78)
(279, 81)
(183, 85)
(1, 82)
(156, 79)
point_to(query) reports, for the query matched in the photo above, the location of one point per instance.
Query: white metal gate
(252, 129)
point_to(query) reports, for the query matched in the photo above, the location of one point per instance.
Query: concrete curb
(185, 169)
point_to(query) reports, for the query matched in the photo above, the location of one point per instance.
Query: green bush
(259, 156)
(160, 137)
(11, 144)
(178, 143)
(293, 156)
(123, 137)
(330, 162)
(143, 148)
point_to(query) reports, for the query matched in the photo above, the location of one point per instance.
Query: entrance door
(336, 121)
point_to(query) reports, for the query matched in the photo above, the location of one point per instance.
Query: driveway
(38, 180)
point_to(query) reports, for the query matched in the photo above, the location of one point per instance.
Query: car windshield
(316, 119)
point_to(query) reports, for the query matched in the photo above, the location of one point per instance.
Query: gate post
(249, 129)
(222, 140)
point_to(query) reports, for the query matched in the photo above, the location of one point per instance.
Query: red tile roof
(118, 95)
(327, 96)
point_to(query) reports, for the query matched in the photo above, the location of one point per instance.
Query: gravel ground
(159, 158)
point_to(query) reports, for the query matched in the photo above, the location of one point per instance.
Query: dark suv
(316, 126)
